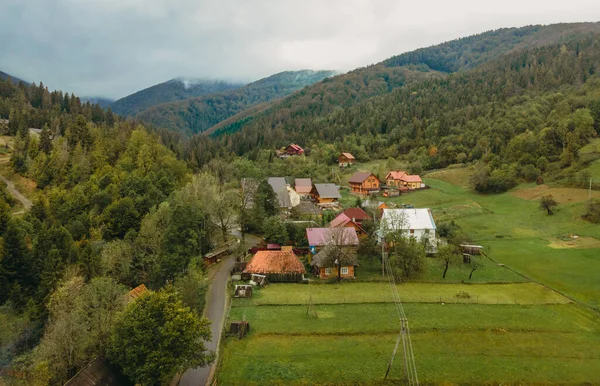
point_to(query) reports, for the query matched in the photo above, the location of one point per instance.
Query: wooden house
(343, 237)
(325, 193)
(342, 220)
(294, 149)
(330, 259)
(277, 266)
(412, 181)
(303, 187)
(345, 159)
(394, 178)
(364, 183)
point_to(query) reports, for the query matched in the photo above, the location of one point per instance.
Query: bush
(593, 211)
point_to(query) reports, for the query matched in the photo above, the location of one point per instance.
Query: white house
(417, 223)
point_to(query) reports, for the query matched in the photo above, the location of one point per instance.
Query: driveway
(215, 310)
(10, 187)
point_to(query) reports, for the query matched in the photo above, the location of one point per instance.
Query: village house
(343, 237)
(345, 159)
(342, 220)
(412, 181)
(325, 193)
(330, 260)
(303, 187)
(285, 200)
(364, 183)
(394, 178)
(294, 149)
(416, 222)
(278, 266)
(357, 215)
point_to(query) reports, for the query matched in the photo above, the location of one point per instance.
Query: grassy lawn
(352, 344)
(379, 292)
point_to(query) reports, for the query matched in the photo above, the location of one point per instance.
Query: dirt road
(10, 187)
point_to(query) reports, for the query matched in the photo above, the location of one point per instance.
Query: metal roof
(327, 191)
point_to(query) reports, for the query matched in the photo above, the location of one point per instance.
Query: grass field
(453, 343)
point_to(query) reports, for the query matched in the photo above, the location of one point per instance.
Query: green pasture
(453, 343)
(380, 292)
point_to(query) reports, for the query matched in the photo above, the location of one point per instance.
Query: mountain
(459, 114)
(102, 102)
(4, 76)
(344, 91)
(198, 114)
(173, 90)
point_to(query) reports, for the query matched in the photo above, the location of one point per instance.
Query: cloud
(115, 47)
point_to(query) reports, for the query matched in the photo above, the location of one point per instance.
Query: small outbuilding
(345, 159)
(243, 291)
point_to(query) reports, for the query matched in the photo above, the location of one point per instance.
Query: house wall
(334, 273)
(325, 200)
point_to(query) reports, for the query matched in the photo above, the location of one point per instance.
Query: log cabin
(364, 183)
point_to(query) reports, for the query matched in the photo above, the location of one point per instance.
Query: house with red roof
(345, 159)
(357, 215)
(294, 149)
(342, 220)
(277, 266)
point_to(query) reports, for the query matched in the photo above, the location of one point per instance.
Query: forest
(195, 115)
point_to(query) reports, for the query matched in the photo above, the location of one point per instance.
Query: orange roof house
(364, 183)
(137, 291)
(411, 181)
(283, 265)
(345, 159)
(394, 178)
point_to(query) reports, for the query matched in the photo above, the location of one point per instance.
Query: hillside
(196, 115)
(4, 76)
(347, 90)
(171, 91)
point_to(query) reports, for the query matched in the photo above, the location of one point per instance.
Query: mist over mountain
(4, 75)
(170, 91)
(198, 114)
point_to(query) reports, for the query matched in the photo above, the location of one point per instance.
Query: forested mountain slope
(469, 52)
(346, 90)
(196, 115)
(171, 91)
(108, 215)
(5, 76)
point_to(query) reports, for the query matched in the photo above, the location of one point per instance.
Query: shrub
(593, 211)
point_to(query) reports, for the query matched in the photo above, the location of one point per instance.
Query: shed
(243, 291)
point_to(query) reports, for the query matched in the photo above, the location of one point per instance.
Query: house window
(344, 270)
(327, 271)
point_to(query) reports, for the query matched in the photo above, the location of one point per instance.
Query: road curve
(10, 187)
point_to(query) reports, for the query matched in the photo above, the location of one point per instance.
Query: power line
(410, 367)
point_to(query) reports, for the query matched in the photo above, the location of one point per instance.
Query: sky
(112, 48)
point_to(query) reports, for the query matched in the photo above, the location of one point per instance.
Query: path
(10, 187)
(215, 311)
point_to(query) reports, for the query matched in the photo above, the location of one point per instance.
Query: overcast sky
(112, 48)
